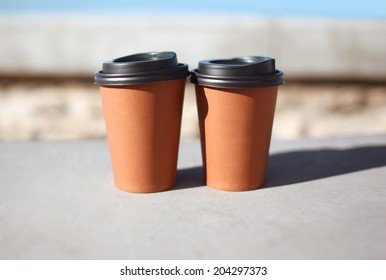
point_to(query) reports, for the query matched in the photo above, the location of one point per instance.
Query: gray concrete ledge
(304, 48)
(324, 199)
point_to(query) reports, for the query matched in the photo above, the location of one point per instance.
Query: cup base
(141, 189)
(234, 188)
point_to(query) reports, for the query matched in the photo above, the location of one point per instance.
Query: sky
(367, 9)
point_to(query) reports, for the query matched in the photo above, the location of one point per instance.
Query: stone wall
(59, 109)
(303, 47)
(47, 62)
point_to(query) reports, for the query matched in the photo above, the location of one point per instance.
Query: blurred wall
(304, 48)
(335, 69)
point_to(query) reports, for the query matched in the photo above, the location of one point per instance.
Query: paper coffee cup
(142, 97)
(236, 101)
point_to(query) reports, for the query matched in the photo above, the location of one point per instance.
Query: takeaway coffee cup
(142, 97)
(236, 102)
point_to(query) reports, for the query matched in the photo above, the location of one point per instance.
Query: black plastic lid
(141, 68)
(240, 72)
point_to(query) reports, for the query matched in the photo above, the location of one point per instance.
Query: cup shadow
(302, 166)
(190, 178)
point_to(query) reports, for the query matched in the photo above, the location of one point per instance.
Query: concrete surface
(324, 199)
(303, 47)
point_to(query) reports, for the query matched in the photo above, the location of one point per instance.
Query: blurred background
(333, 54)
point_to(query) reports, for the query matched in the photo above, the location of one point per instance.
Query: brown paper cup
(142, 97)
(143, 130)
(235, 130)
(236, 101)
